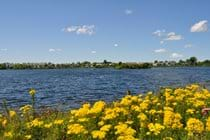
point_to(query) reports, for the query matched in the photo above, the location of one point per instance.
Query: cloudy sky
(116, 30)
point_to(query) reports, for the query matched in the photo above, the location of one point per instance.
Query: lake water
(69, 88)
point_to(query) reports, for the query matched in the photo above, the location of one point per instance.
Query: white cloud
(159, 33)
(54, 50)
(51, 50)
(188, 46)
(128, 12)
(173, 36)
(201, 26)
(4, 49)
(115, 45)
(93, 52)
(164, 36)
(176, 55)
(84, 29)
(160, 51)
(71, 29)
(161, 42)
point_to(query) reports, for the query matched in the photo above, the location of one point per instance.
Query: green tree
(192, 61)
(3, 66)
(105, 62)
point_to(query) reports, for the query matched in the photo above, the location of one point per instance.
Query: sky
(63, 31)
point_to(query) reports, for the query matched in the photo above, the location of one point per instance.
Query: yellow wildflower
(97, 107)
(106, 128)
(32, 92)
(194, 126)
(129, 122)
(28, 137)
(101, 123)
(155, 128)
(148, 133)
(8, 134)
(123, 129)
(168, 109)
(174, 104)
(25, 109)
(126, 100)
(199, 103)
(193, 87)
(4, 122)
(82, 111)
(134, 98)
(12, 113)
(172, 120)
(190, 111)
(58, 122)
(36, 123)
(144, 105)
(110, 113)
(76, 129)
(149, 93)
(135, 108)
(168, 138)
(127, 137)
(98, 134)
(152, 111)
(142, 117)
(83, 119)
(48, 125)
(208, 124)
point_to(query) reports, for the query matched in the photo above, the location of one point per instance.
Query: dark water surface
(70, 87)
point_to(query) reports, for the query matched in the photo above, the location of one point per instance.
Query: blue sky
(116, 30)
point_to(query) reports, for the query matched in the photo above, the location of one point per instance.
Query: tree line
(192, 61)
(85, 64)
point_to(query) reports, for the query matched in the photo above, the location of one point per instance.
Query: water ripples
(70, 88)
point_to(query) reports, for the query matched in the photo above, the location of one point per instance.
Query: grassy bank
(170, 114)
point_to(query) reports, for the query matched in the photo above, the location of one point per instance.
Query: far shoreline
(191, 62)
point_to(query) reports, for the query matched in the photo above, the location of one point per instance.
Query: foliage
(173, 113)
(85, 64)
(191, 62)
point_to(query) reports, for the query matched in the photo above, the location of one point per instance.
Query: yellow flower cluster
(8, 134)
(97, 107)
(12, 113)
(97, 134)
(208, 124)
(58, 122)
(36, 123)
(172, 120)
(171, 114)
(25, 109)
(82, 111)
(76, 129)
(32, 92)
(155, 128)
(124, 131)
(194, 126)
(48, 125)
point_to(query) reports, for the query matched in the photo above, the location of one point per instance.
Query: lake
(69, 88)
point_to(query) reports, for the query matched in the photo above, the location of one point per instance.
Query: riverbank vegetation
(191, 62)
(171, 114)
(85, 64)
